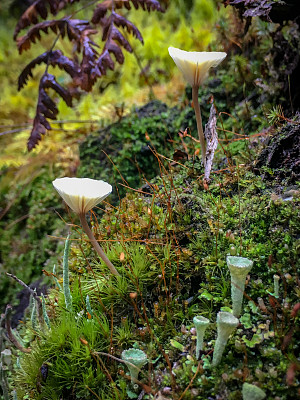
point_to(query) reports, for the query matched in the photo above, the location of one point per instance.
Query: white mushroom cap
(195, 65)
(82, 194)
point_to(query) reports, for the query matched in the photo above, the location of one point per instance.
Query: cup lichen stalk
(201, 323)
(194, 67)
(135, 359)
(81, 195)
(239, 268)
(226, 324)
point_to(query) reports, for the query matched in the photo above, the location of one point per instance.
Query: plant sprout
(226, 324)
(239, 268)
(81, 195)
(194, 67)
(135, 359)
(201, 323)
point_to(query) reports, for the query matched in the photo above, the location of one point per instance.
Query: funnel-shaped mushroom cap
(239, 266)
(195, 65)
(82, 194)
(226, 322)
(252, 392)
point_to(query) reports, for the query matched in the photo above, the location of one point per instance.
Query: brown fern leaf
(105, 6)
(54, 58)
(149, 5)
(74, 28)
(34, 33)
(102, 8)
(77, 28)
(39, 8)
(119, 20)
(103, 63)
(46, 108)
(113, 48)
(113, 33)
(106, 62)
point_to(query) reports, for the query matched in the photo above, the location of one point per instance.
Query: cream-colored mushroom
(194, 67)
(81, 195)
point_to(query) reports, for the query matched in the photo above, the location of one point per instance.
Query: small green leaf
(206, 295)
(246, 320)
(177, 345)
(131, 394)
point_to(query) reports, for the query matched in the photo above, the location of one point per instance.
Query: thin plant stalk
(96, 245)
(197, 110)
(66, 281)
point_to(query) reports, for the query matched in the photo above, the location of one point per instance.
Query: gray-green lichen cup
(226, 324)
(135, 359)
(239, 268)
(201, 323)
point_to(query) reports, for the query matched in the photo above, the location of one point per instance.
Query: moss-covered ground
(167, 233)
(169, 241)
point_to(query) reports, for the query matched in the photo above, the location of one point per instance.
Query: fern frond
(39, 8)
(54, 58)
(46, 108)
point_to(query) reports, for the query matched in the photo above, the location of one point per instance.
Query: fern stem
(197, 110)
(96, 245)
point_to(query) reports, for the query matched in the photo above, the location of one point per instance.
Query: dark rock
(281, 154)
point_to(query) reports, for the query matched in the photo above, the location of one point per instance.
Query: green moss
(170, 248)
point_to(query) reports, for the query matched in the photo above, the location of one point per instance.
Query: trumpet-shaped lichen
(201, 323)
(226, 324)
(135, 359)
(239, 268)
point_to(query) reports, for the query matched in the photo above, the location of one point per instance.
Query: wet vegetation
(166, 229)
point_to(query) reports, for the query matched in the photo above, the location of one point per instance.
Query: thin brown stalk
(96, 245)
(199, 121)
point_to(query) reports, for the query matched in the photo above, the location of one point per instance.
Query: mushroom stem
(96, 245)
(197, 110)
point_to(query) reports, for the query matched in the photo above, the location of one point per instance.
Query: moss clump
(124, 150)
(170, 247)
